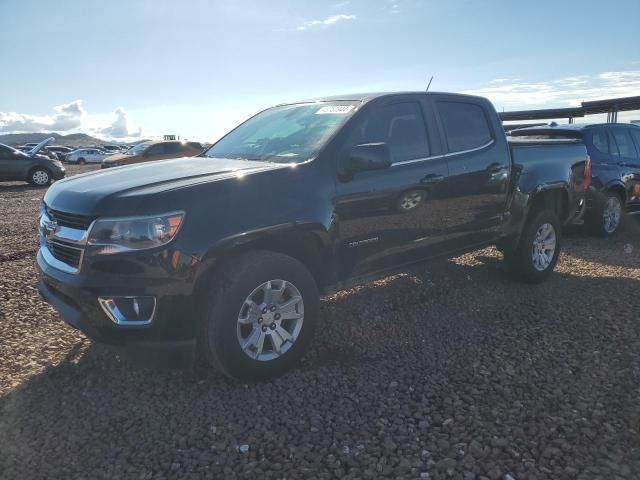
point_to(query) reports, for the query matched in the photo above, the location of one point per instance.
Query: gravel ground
(453, 371)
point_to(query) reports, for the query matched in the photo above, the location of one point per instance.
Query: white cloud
(71, 118)
(66, 117)
(120, 127)
(513, 94)
(332, 20)
(394, 6)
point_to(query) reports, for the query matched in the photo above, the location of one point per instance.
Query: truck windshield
(285, 134)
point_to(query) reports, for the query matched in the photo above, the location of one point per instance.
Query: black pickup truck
(227, 253)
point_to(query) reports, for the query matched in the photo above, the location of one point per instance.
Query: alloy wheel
(612, 214)
(544, 247)
(270, 320)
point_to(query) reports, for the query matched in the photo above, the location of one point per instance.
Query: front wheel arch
(219, 310)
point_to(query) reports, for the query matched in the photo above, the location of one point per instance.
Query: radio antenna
(430, 80)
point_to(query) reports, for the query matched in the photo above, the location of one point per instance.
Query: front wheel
(40, 177)
(82, 161)
(260, 316)
(536, 255)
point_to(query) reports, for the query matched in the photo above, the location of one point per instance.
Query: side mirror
(368, 156)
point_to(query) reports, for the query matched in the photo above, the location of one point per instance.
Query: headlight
(116, 235)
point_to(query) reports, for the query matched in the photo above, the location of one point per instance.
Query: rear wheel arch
(620, 191)
(554, 199)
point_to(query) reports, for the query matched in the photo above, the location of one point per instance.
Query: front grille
(68, 254)
(70, 220)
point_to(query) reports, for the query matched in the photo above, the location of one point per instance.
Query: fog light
(129, 311)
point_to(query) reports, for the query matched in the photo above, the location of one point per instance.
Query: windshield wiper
(232, 156)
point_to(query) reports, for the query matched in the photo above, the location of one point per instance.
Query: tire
(524, 261)
(81, 161)
(39, 176)
(225, 305)
(605, 218)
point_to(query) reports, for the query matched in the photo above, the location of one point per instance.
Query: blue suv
(614, 149)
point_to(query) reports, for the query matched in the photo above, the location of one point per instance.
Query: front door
(479, 171)
(12, 166)
(387, 217)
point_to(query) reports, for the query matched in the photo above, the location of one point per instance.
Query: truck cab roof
(367, 97)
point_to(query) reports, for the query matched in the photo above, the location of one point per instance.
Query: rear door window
(623, 141)
(465, 125)
(401, 126)
(635, 134)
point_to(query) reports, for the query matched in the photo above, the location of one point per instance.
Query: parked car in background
(150, 151)
(60, 150)
(110, 148)
(87, 155)
(614, 149)
(226, 253)
(28, 147)
(31, 167)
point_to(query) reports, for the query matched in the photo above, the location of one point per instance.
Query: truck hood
(89, 193)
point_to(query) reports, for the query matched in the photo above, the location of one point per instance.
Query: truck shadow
(441, 317)
(620, 250)
(12, 187)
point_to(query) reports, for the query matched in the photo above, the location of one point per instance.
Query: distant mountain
(74, 139)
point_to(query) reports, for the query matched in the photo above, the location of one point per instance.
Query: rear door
(624, 146)
(479, 170)
(92, 156)
(389, 217)
(629, 159)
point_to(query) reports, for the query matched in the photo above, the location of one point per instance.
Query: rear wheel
(260, 317)
(39, 176)
(606, 217)
(536, 255)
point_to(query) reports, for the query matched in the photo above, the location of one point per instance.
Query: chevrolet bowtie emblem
(48, 226)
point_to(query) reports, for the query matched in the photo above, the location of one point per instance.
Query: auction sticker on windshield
(335, 109)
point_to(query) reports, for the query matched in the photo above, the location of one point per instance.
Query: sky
(141, 68)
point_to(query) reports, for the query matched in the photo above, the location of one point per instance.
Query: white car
(87, 155)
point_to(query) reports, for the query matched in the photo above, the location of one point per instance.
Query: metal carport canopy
(610, 105)
(542, 114)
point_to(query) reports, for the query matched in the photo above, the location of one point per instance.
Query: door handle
(496, 167)
(433, 178)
